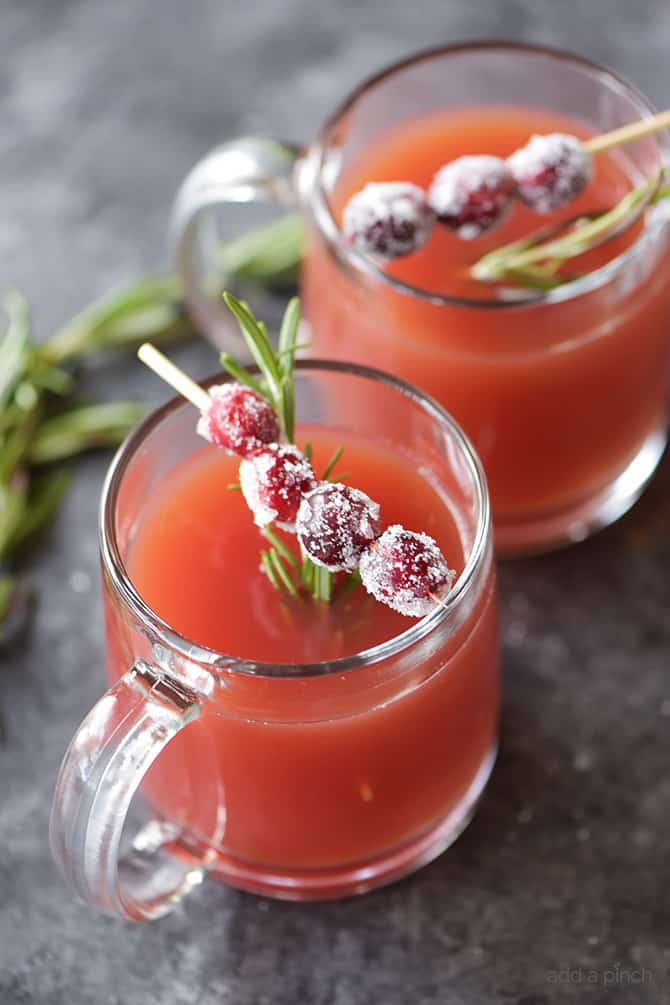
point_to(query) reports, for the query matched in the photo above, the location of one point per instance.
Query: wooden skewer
(172, 375)
(626, 134)
(438, 601)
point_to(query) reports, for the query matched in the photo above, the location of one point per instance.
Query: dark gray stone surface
(103, 107)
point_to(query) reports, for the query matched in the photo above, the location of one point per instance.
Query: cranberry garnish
(388, 219)
(239, 419)
(273, 481)
(406, 571)
(335, 523)
(472, 194)
(551, 170)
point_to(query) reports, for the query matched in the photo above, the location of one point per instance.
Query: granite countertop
(559, 889)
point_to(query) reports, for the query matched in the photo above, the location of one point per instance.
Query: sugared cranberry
(335, 523)
(273, 481)
(239, 419)
(472, 194)
(388, 219)
(551, 170)
(406, 571)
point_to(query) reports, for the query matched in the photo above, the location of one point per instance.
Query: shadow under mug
(295, 781)
(564, 392)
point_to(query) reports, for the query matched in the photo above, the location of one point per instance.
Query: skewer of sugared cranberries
(472, 194)
(238, 419)
(551, 170)
(388, 219)
(407, 571)
(335, 523)
(273, 481)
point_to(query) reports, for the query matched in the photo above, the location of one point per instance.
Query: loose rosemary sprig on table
(275, 382)
(42, 425)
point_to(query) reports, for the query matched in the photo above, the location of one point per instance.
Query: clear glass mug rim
(329, 228)
(156, 628)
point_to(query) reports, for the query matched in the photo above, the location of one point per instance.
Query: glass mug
(301, 782)
(564, 392)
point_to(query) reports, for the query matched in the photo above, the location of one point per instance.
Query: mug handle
(241, 171)
(104, 766)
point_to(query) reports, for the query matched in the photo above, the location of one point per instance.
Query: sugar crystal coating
(388, 219)
(472, 194)
(406, 570)
(238, 419)
(551, 170)
(273, 481)
(335, 523)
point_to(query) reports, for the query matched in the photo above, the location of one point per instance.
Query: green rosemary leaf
(257, 343)
(15, 349)
(283, 572)
(287, 399)
(148, 310)
(298, 345)
(269, 255)
(331, 463)
(288, 336)
(324, 584)
(307, 574)
(26, 396)
(43, 500)
(83, 428)
(662, 193)
(532, 280)
(241, 374)
(10, 416)
(268, 569)
(308, 451)
(12, 509)
(315, 582)
(53, 379)
(17, 441)
(234, 487)
(281, 547)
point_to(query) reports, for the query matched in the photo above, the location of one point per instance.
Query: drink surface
(195, 558)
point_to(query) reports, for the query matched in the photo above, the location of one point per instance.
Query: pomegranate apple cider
(557, 397)
(302, 794)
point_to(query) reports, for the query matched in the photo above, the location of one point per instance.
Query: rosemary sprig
(332, 463)
(276, 384)
(535, 261)
(281, 566)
